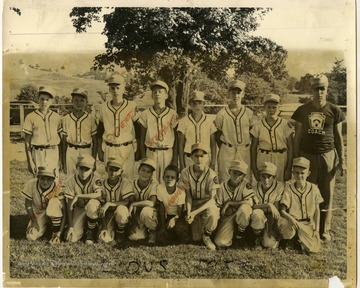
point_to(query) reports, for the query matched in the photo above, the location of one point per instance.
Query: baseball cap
(149, 162)
(272, 98)
(199, 146)
(197, 96)
(46, 171)
(159, 83)
(86, 160)
(47, 90)
(80, 92)
(267, 168)
(115, 162)
(238, 165)
(237, 84)
(116, 80)
(301, 162)
(319, 80)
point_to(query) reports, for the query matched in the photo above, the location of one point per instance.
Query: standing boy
(83, 191)
(318, 137)
(235, 198)
(116, 132)
(299, 207)
(233, 123)
(195, 128)
(117, 194)
(158, 138)
(272, 140)
(200, 183)
(42, 129)
(79, 129)
(44, 199)
(171, 211)
(142, 211)
(268, 193)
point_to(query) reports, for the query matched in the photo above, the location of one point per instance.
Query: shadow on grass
(18, 224)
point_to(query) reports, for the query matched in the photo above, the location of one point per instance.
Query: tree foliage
(337, 91)
(176, 44)
(27, 93)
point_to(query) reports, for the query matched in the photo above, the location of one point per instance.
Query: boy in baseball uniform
(201, 183)
(172, 224)
(158, 137)
(299, 208)
(235, 198)
(42, 129)
(268, 193)
(117, 195)
(195, 128)
(143, 210)
(234, 123)
(83, 191)
(79, 131)
(272, 140)
(116, 131)
(44, 199)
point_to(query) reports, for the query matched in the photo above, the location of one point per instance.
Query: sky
(45, 26)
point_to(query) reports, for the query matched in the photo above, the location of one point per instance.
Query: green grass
(139, 260)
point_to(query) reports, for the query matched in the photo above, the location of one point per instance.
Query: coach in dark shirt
(318, 137)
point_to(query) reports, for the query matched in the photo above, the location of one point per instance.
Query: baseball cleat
(55, 239)
(152, 237)
(89, 237)
(208, 243)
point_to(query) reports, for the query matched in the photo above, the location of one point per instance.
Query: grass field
(139, 260)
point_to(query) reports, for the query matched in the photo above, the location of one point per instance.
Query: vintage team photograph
(180, 144)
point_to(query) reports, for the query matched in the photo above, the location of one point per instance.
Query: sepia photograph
(185, 144)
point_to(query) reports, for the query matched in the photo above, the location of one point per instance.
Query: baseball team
(269, 185)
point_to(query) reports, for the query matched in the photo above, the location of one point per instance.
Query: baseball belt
(272, 151)
(230, 145)
(79, 146)
(304, 220)
(118, 145)
(43, 147)
(153, 149)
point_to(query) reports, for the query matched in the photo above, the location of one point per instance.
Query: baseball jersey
(39, 198)
(79, 131)
(196, 131)
(171, 201)
(118, 122)
(243, 192)
(317, 134)
(301, 205)
(44, 128)
(272, 137)
(272, 195)
(235, 129)
(74, 187)
(145, 193)
(159, 127)
(121, 190)
(200, 187)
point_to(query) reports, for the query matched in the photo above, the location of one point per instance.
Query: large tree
(176, 44)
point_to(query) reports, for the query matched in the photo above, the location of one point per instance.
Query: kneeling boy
(300, 208)
(171, 211)
(265, 215)
(117, 194)
(43, 200)
(201, 183)
(235, 198)
(83, 191)
(142, 210)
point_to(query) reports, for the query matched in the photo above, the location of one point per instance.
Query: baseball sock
(56, 221)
